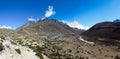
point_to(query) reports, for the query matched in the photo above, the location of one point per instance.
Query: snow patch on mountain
(76, 24)
(86, 40)
(6, 27)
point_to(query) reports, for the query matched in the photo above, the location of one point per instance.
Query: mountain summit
(48, 26)
(117, 20)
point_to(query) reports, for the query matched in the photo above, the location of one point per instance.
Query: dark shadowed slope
(104, 32)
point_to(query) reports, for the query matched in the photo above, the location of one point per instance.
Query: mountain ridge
(50, 25)
(104, 32)
(51, 39)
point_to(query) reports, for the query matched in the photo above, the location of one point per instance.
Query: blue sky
(15, 13)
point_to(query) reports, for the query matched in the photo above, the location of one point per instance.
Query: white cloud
(50, 11)
(42, 18)
(31, 19)
(6, 27)
(75, 24)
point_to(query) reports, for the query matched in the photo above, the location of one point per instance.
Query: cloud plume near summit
(31, 19)
(50, 11)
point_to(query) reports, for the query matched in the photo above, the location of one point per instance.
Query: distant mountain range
(117, 20)
(52, 39)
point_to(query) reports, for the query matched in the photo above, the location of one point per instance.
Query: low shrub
(37, 50)
(18, 51)
(1, 47)
(2, 37)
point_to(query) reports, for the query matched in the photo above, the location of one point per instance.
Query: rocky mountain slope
(105, 32)
(51, 39)
(12, 50)
(47, 26)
